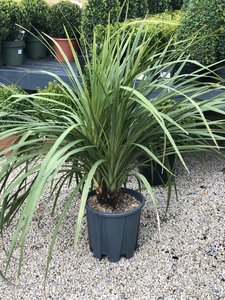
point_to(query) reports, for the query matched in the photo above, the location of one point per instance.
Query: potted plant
(13, 44)
(36, 19)
(64, 15)
(5, 99)
(107, 123)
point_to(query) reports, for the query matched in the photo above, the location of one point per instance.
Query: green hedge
(161, 26)
(159, 6)
(97, 12)
(36, 14)
(206, 19)
(4, 19)
(11, 13)
(133, 9)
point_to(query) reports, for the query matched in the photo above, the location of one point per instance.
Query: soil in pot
(12, 53)
(114, 234)
(125, 202)
(64, 44)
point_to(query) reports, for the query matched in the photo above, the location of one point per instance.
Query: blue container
(114, 234)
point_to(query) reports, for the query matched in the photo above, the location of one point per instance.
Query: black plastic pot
(114, 234)
(12, 53)
(154, 172)
(192, 70)
(35, 48)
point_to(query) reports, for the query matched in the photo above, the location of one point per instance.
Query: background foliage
(11, 13)
(36, 15)
(63, 14)
(206, 19)
(96, 12)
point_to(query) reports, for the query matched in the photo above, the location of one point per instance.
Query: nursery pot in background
(114, 234)
(64, 44)
(12, 53)
(154, 173)
(35, 48)
(6, 142)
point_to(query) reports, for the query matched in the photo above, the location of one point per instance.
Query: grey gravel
(186, 261)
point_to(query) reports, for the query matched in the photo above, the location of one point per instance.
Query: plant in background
(5, 101)
(204, 19)
(6, 92)
(36, 13)
(159, 6)
(110, 122)
(4, 19)
(98, 12)
(133, 9)
(55, 92)
(63, 14)
(16, 15)
(164, 26)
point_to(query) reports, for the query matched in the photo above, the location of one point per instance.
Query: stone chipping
(185, 261)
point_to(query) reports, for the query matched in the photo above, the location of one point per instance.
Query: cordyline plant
(107, 123)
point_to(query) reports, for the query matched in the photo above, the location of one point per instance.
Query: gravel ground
(186, 262)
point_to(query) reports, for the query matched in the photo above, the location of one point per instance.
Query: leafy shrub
(205, 19)
(63, 14)
(160, 28)
(16, 14)
(159, 6)
(110, 124)
(36, 11)
(97, 12)
(7, 101)
(135, 9)
(55, 92)
(4, 18)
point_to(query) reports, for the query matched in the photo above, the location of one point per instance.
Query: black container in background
(155, 174)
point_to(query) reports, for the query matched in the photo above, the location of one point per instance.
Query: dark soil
(125, 203)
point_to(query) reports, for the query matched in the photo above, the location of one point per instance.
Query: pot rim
(138, 196)
(63, 39)
(13, 44)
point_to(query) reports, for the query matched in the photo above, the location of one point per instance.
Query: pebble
(186, 261)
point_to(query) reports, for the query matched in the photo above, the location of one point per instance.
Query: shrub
(204, 18)
(111, 123)
(135, 9)
(16, 15)
(97, 12)
(37, 11)
(161, 29)
(55, 92)
(159, 6)
(5, 98)
(65, 14)
(4, 18)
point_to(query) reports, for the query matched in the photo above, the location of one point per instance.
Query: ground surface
(186, 263)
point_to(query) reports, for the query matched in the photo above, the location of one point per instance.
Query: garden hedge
(158, 6)
(36, 13)
(4, 18)
(97, 12)
(162, 26)
(206, 19)
(133, 9)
